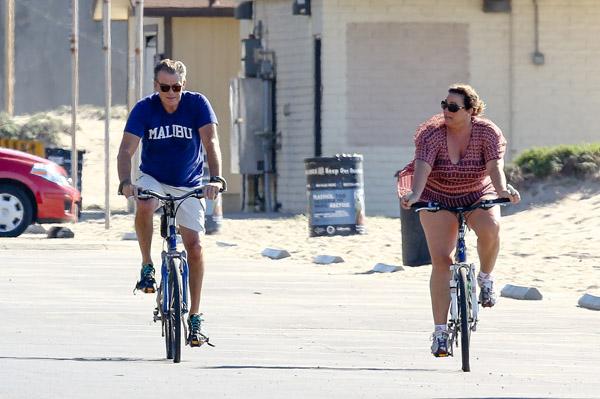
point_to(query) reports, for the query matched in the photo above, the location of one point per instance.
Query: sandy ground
(549, 241)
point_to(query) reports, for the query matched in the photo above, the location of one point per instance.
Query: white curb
(327, 259)
(589, 302)
(275, 253)
(522, 293)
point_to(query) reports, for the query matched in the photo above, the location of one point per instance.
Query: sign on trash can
(336, 204)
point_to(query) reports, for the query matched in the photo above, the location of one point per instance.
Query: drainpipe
(537, 57)
(511, 86)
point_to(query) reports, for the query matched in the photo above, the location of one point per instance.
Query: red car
(34, 190)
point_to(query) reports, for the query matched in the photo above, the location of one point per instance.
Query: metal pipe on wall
(106, 14)
(9, 53)
(74, 91)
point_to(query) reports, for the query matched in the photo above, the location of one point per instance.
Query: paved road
(71, 328)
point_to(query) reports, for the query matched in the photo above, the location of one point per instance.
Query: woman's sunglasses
(452, 107)
(165, 88)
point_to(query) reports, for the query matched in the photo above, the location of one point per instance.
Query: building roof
(169, 8)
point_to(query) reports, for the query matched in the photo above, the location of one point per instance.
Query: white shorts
(191, 211)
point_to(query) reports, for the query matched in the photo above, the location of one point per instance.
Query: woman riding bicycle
(459, 160)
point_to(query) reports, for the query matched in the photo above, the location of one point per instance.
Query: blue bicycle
(173, 291)
(464, 307)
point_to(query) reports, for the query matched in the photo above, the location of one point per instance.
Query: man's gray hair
(170, 66)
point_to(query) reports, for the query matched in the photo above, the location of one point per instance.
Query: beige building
(385, 65)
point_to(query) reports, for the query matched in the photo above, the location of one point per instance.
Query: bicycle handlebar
(197, 193)
(436, 206)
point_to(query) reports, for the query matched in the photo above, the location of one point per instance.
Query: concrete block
(60, 232)
(327, 259)
(226, 244)
(275, 253)
(35, 229)
(523, 293)
(131, 236)
(383, 268)
(589, 302)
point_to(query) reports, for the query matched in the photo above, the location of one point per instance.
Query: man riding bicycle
(176, 128)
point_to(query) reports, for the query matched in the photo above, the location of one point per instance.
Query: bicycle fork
(454, 321)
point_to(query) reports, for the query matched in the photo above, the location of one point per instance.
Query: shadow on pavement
(84, 359)
(312, 368)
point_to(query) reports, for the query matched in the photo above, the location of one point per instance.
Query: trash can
(62, 156)
(414, 244)
(335, 195)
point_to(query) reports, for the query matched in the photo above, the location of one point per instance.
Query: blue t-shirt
(172, 150)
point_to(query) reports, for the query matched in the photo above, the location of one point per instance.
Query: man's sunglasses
(452, 107)
(165, 88)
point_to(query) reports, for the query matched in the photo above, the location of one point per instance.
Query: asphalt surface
(71, 328)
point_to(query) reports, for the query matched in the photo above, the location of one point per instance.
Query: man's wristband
(219, 179)
(124, 182)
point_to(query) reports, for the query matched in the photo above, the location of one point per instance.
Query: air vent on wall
(301, 7)
(496, 6)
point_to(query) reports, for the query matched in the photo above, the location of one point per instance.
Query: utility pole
(139, 86)
(9, 52)
(106, 15)
(74, 91)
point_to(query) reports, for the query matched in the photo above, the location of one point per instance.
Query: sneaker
(195, 337)
(147, 282)
(487, 295)
(439, 346)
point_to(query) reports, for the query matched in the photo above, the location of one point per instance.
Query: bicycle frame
(169, 233)
(168, 218)
(460, 263)
(460, 259)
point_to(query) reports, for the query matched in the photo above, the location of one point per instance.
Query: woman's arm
(495, 169)
(420, 175)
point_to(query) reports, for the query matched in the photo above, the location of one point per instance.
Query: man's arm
(129, 144)
(210, 141)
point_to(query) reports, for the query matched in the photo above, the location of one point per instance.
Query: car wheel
(16, 210)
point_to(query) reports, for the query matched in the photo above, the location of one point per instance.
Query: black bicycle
(173, 291)
(464, 307)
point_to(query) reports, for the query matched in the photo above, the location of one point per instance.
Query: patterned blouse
(451, 184)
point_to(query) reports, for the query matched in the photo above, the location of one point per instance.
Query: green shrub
(577, 160)
(44, 128)
(8, 127)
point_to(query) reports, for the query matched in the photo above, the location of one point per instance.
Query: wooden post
(139, 86)
(9, 52)
(74, 91)
(106, 15)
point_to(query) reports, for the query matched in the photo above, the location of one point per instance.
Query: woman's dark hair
(470, 96)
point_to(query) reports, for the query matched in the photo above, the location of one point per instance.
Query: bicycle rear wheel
(464, 310)
(174, 318)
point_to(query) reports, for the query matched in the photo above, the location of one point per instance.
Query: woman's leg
(441, 229)
(486, 225)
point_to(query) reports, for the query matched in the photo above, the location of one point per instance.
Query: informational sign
(335, 195)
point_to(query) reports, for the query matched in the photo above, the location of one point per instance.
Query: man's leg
(144, 227)
(191, 242)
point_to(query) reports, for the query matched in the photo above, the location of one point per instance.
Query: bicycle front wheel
(464, 310)
(175, 309)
